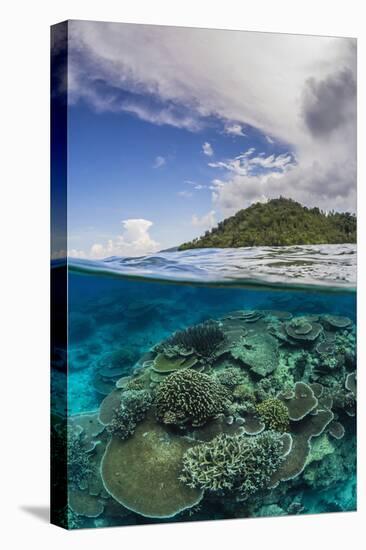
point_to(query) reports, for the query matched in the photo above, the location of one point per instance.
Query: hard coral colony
(254, 404)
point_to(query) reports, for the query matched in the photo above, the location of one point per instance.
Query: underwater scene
(210, 384)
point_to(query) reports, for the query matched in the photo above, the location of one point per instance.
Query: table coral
(303, 402)
(141, 472)
(259, 351)
(303, 328)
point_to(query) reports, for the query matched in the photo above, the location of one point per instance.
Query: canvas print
(203, 279)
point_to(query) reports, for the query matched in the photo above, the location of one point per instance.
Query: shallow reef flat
(248, 414)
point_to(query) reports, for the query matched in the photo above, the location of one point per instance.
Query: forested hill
(278, 222)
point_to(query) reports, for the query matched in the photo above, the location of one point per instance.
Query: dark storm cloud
(328, 103)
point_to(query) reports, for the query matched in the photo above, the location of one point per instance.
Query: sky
(171, 130)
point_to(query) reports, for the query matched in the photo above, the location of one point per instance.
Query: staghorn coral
(203, 339)
(132, 409)
(189, 397)
(239, 464)
(274, 414)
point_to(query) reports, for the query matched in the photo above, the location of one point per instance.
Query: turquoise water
(116, 319)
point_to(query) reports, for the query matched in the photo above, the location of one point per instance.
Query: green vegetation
(279, 222)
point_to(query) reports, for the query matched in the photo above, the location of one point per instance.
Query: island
(279, 222)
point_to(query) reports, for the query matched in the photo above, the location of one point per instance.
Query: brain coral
(241, 464)
(189, 397)
(274, 414)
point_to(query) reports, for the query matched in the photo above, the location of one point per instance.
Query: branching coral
(230, 377)
(189, 397)
(204, 339)
(133, 407)
(78, 464)
(274, 414)
(241, 464)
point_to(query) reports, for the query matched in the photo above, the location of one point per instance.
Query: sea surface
(120, 308)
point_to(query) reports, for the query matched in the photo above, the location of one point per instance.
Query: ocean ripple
(330, 266)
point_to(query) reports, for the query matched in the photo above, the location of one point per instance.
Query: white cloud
(234, 130)
(272, 161)
(185, 194)
(135, 240)
(310, 182)
(270, 140)
(295, 89)
(207, 221)
(159, 161)
(244, 165)
(75, 253)
(196, 185)
(207, 149)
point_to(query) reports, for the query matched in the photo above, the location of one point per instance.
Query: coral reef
(302, 432)
(243, 415)
(203, 339)
(230, 377)
(335, 322)
(142, 472)
(166, 364)
(189, 397)
(110, 367)
(78, 463)
(84, 504)
(257, 351)
(240, 464)
(132, 409)
(274, 414)
(336, 429)
(303, 401)
(351, 383)
(303, 328)
(244, 315)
